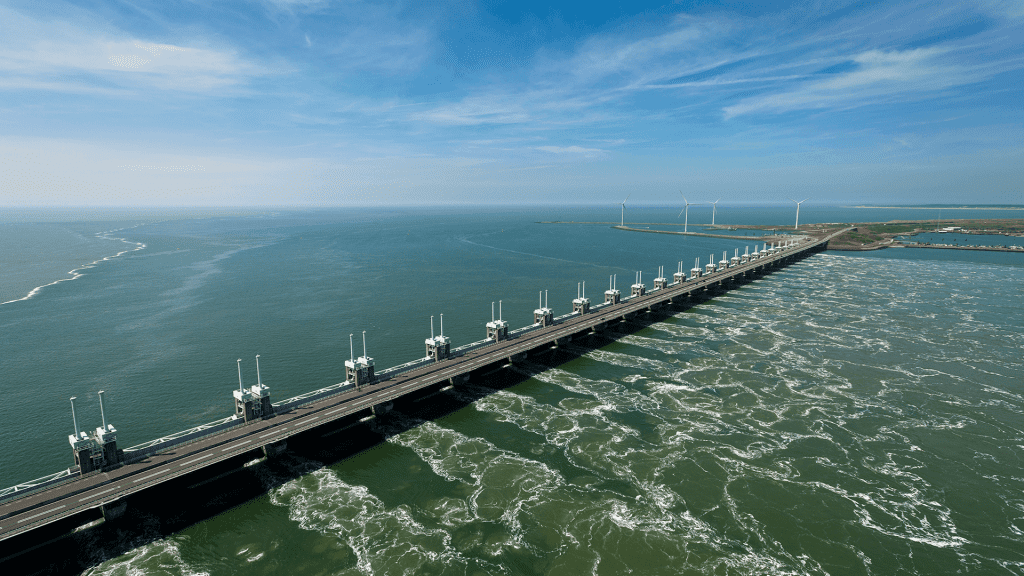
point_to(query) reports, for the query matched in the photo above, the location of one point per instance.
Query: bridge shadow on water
(71, 547)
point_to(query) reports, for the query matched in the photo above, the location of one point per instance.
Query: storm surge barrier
(104, 476)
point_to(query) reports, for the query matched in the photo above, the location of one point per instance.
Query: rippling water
(847, 415)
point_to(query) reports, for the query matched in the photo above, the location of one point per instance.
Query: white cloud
(880, 77)
(603, 55)
(475, 110)
(571, 150)
(47, 54)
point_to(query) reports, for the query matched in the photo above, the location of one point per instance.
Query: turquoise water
(851, 414)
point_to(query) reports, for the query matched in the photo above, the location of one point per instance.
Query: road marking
(41, 514)
(235, 446)
(147, 477)
(270, 433)
(97, 494)
(335, 410)
(195, 460)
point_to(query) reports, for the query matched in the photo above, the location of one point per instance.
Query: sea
(853, 413)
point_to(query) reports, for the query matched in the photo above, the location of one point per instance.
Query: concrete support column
(275, 448)
(114, 510)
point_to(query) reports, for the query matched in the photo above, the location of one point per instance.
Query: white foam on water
(504, 483)
(162, 557)
(80, 271)
(666, 346)
(623, 360)
(385, 540)
(535, 502)
(578, 426)
(619, 397)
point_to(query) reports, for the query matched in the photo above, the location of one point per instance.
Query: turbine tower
(714, 208)
(797, 225)
(623, 221)
(686, 210)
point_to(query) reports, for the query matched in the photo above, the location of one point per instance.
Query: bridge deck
(40, 508)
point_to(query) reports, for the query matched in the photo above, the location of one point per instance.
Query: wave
(385, 540)
(160, 557)
(79, 272)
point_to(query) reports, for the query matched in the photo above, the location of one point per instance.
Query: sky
(345, 103)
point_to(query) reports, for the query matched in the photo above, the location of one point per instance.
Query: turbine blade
(681, 212)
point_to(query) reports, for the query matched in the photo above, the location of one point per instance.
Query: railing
(141, 451)
(470, 347)
(396, 370)
(310, 397)
(19, 490)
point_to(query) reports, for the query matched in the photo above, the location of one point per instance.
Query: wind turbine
(797, 226)
(623, 222)
(686, 210)
(714, 208)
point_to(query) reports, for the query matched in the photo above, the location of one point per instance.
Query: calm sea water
(852, 414)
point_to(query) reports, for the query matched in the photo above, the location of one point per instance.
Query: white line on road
(194, 460)
(41, 514)
(270, 433)
(235, 446)
(97, 494)
(147, 477)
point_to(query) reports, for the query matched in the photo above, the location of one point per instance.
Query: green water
(847, 415)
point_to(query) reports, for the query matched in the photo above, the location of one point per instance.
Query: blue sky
(324, 103)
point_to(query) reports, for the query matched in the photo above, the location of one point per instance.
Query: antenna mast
(74, 420)
(103, 416)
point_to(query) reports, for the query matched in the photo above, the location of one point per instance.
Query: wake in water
(834, 418)
(80, 271)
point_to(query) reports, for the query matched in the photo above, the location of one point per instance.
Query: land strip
(861, 236)
(766, 238)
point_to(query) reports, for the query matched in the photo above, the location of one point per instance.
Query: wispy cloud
(62, 56)
(393, 38)
(878, 76)
(571, 150)
(476, 110)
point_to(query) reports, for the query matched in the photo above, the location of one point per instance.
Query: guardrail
(147, 449)
(49, 481)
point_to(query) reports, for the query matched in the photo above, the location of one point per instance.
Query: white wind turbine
(797, 225)
(623, 221)
(686, 210)
(714, 208)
